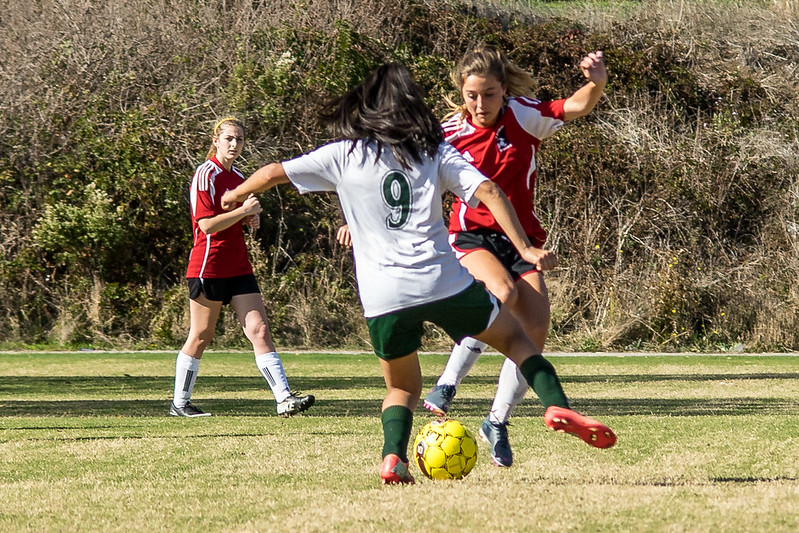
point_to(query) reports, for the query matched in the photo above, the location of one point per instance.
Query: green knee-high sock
(541, 376)
(397, 423)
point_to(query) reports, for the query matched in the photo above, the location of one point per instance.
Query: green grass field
(706, 443)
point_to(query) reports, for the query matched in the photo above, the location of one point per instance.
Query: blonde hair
(232, 121)
(487, 61)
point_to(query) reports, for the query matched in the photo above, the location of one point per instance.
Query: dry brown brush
(673, 207)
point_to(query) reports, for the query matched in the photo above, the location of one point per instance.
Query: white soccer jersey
(402, 255)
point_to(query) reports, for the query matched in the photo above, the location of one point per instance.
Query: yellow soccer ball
(445, 449)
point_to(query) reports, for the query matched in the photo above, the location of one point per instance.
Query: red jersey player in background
(220, 272)
(499, 128)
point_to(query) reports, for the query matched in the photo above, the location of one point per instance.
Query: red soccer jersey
(222, 254)
(505, 153)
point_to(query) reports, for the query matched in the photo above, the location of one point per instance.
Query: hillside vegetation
(674, 207)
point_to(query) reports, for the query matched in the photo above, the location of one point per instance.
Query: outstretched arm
(262, 179)
(585, 98)
(497, 202)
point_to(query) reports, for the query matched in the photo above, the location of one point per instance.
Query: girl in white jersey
(499, 128)
(390, 170)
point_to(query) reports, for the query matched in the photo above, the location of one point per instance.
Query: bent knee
(197, 343)
(505, 293)
(257, 331)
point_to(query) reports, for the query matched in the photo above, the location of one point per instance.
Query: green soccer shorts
(466, 314)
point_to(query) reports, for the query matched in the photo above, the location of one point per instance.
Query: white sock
(186, 368)
(510, 392)
(271, 368)
(463, 357)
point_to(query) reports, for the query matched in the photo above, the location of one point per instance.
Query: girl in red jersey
(220, 272)
(499, 128)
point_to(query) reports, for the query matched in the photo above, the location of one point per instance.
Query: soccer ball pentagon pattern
(445, 449)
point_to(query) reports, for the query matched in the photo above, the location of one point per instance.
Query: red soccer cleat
(394, 471)
(591, 431)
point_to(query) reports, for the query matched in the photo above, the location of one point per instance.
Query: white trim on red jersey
(506, 154)
(224, 253)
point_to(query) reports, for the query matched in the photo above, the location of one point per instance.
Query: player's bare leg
(505, 335)
(403, 377)
(204, 313)
(484, 266)
(531, 308)
(251, 312)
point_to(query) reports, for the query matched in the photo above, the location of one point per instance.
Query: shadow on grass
(742, 480)
(91, 385)
(646, 378)
(642, 406)
(371, 407)
(95, 397)
(11, 385)
(160, 408)
(668, 407)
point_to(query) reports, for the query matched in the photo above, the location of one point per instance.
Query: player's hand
(593, 67)
(543, 259)
(343, 236)
(251, 205)
(254, 221)
(229, 200)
